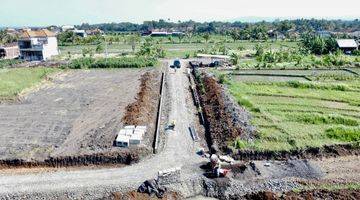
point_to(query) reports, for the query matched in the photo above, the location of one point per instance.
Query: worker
(215, 165)
(172, 125)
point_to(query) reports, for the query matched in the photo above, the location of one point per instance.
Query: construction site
(157, 133)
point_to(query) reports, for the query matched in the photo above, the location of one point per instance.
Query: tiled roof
(38, 33)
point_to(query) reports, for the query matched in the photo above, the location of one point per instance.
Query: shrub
(8, 63)
(240, 144)
(344, 134)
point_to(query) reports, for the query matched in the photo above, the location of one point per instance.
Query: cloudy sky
(60, 12)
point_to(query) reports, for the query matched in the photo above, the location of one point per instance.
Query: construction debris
(152, 187)
(169, 176)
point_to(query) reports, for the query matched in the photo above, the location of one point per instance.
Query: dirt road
(179, 151)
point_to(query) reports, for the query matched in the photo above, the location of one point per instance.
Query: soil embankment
(343, 194)
(224, 119)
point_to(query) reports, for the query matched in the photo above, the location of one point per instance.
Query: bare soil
(75, 118)
(134, 195)
(224, 119)
(343, 194)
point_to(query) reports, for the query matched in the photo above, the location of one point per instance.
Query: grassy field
(297, 114)
(14, 81)
(179, 50)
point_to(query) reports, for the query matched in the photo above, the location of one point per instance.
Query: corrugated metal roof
(347, 43)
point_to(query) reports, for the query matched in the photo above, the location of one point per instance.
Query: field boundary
(307, 153)
(272, 75)
(99, 159)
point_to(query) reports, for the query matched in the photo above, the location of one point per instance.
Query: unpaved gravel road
(179, 151)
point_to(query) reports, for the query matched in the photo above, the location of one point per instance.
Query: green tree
(234, 59)
(206, 37)
(133, 40)
(99, 48)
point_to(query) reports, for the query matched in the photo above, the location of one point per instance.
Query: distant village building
(9, 51)
(347, 45)
(324, 34)
(67, 28)
(163, 33)
(80, 33)
(94, 32)
(38, 45)
(159, 34)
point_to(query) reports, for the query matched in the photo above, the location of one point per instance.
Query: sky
(65, 12)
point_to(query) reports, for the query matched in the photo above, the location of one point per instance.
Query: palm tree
(134, 39)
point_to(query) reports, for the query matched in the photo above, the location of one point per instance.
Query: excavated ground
(225, 121)
(74, 119)
(343, 194)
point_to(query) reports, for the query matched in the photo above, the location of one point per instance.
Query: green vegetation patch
(8, 63)
(122, 62)
(14, 81)
(297, 115)
(344, 134)
(321, 119)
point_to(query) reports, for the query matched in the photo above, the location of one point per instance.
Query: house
(38, 45)
(80, 33)
(347, 45)
(94, 32)
(9, 51)
(159, 34)
(67, 28)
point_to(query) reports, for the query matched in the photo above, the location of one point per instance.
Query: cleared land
(292, 115)
(76, 112)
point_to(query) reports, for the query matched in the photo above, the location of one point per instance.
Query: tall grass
(122, 62)
(8, 62)
(344, 134)
(14, 81)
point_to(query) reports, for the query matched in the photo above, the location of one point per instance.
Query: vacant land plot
(293, 115)
(77, 112)
(14, 81)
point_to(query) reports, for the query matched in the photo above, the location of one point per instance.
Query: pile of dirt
(344, 194)
(309, 153)
(143, 110)
(225, 120)
(109, 158)
(133, 195)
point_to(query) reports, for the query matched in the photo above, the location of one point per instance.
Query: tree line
(282, 26)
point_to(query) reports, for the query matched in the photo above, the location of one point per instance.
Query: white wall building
(38, 45)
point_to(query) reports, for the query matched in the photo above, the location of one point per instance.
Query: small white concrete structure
(122, 141)
(130, 136)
